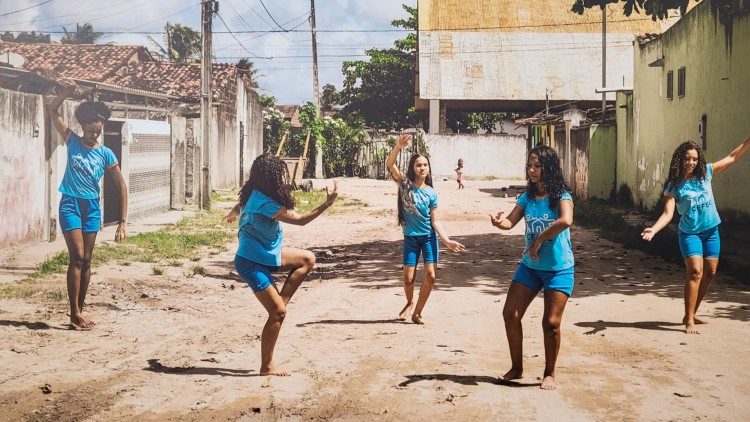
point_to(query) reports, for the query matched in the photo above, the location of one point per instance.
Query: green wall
(649, 126)
(602, 160)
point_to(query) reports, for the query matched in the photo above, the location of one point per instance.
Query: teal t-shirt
(85, 168)
(420, 224)
(260, 234)
(555, 254)
(695, 203)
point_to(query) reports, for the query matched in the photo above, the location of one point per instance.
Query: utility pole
(209, 7)
(604, 58)
(316, 92)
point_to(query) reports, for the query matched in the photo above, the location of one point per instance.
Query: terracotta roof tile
(181, 80)
(647, 38)
(92, 62)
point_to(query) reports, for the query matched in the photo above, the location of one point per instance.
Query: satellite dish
(13, 59)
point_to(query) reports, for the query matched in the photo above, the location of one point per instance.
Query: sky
(283, 58)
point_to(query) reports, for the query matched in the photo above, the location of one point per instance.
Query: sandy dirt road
(184, 347)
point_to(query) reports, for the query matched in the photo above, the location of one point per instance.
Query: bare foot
(405, 312)
(548, 383)
(417, 319)
(513, 374)
(690, 329)
(80, 323)
(697, 320)
(271, 370)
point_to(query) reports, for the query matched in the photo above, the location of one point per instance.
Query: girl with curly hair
(688, 188)
(265, 200)
(418, 214)
(79, 214)
(547, 262)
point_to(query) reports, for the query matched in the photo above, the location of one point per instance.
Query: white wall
(499, 156)
(23, 168)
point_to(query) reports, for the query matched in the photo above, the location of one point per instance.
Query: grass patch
(223, 197)
(175, 263)
(198, 270)
(307, 201)
(157, 270)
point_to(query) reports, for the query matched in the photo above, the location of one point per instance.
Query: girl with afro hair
(688, 188)
(79, 213)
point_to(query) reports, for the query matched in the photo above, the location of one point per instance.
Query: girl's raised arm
(507, 223)
(293, 217)
(728, 161)
(390, 164)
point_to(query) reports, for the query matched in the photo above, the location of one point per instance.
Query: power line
(78, 13)
(27, 8)
(238, 41)
(127, 31)
(271, 16)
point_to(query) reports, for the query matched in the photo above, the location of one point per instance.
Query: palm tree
(245, 67)
(84, 35)
(183, 42)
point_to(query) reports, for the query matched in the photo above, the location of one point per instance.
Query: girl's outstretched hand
(331, 196)
(403, 140)
(648, 234)
(454, 246)
(495, 220)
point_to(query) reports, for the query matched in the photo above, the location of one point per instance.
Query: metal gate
(149, 175)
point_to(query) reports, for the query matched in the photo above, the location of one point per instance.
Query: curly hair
(270, 176)
(677, 166)
(405, 188)
(92, 111)
(552, 175)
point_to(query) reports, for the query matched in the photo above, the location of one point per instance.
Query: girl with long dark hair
(265, 200)
(547, 262)
(417, 213)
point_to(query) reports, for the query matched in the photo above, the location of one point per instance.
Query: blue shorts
(561, 280)
(426, 245)
(706, 244)
(257, 276)
(78, 213)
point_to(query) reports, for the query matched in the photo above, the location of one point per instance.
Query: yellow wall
(527, 16)
(717, 85)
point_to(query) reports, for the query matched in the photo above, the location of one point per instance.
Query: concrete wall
(23, 168)
(520, 66)
(501, 156)
(178, 161)
(253, 133)
(601, 160)
(717, 85)
(192, 161)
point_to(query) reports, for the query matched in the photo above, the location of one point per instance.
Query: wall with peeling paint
(717, 84)
(602, 160)
(23, 185)
(500, 156)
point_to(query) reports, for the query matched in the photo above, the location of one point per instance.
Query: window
(702, 131)
(670, 85)
(681, 82)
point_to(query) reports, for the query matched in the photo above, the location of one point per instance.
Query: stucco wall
(501, 156)
(601, 160)
(23, 168)
(717, 85)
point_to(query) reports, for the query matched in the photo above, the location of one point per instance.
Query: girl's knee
(80, 261)
(551, 323)
(308, 260)
(511, 314)
(278, 314)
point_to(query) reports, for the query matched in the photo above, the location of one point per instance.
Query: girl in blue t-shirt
(417, 213)
(547, 262)
(265, 200)
(688, 188)
(79, 213)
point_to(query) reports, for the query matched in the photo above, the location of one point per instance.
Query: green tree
(380, 90)
(267, 100)
(26, 37)
(183, 42)
(247, 69)
(657, 9)
(84, 34)
(329, 97)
